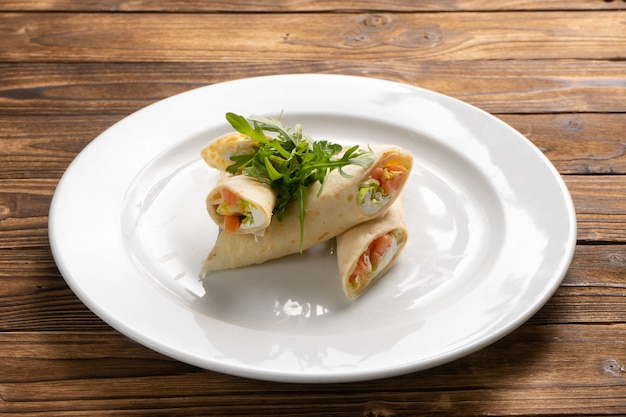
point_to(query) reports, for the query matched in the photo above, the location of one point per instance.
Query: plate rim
(299, 376)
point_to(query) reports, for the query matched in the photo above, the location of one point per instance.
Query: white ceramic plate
(492, 232)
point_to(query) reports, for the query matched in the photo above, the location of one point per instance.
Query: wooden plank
(101, 37)
(499, 87)
(576, 143)
(43, 147)
(56, 373)
(305, 6)
(599, 266)
(600, 207)
(593, 288)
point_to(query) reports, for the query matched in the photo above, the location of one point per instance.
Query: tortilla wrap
(255, 203)
(336, 210)
(217, 153)
(358, 245)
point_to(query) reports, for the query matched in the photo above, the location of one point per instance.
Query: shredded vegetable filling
(375, 258)
(378, 188)
(236, 213)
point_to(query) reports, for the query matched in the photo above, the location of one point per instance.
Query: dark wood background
(554, 70)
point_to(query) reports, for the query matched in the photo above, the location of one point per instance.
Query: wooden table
(554, 70)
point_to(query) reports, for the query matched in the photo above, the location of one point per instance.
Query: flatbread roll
(367, 251)
(217, 153)
(343, 203)
(241, 204)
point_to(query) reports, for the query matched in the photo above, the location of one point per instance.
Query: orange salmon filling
(389, 177)
(370, 260)
(231, 222)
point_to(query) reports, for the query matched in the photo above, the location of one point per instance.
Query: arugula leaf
(241, 125)
(272, 125)
(290, 161)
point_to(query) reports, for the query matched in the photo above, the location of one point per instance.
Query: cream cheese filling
(358, 283)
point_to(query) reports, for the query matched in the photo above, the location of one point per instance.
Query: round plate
(491, 234)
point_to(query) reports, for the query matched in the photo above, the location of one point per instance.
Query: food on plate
(281, 192)
(380, 185)
(327, 209)
(241, 204)
(289, 162)
(218, 152)
(366, 251)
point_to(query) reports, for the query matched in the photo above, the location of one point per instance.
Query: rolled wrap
(217, 153)
(254, 206)
(383, 237)
(336, 210)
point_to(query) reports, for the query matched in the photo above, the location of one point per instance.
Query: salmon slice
(370, 259)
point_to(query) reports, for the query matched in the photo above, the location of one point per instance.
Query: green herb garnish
(290, 161)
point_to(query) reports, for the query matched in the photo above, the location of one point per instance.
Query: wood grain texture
(553, 70)
(307, 5)
(600, 207)
(499, 87)
(154, 37)
(587, 376)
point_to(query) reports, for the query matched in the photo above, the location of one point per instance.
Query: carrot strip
(231, 223)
